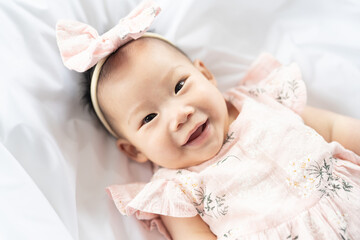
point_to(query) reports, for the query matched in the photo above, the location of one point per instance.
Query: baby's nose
(182, 115)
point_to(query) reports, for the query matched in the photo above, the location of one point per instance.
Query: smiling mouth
(197, 133)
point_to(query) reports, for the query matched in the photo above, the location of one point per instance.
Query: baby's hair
(85, 85)
(85, 90)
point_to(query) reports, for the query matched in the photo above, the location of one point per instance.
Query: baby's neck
(232, 112)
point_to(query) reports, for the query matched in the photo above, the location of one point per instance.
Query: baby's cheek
(160, 151)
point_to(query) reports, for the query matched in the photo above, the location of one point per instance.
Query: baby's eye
(179, 86)
(148, 118)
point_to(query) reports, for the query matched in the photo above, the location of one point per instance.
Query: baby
(244, 164)
(252, 163)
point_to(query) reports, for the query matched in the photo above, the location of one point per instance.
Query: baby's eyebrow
(172, 71)
(134, 111)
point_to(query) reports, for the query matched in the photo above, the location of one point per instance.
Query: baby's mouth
(197, 133)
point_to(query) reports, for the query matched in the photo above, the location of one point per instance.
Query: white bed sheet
(55, 161)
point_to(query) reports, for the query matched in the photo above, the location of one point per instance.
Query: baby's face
(168, 109)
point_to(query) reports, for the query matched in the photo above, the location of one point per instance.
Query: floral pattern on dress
(229, 138)
(233, 232)
(188, 184)
(284, 94)
(281, 94)
(292, 236)
(306, 176)
(298, 177)
(285, 88)
(323, 172)
(230, 157)
(208, 204)
(340, 219)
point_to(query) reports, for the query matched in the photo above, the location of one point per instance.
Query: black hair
(85, 90)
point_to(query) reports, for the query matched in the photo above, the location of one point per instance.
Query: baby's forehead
(133, 56)
(145, 44)
(147, 47)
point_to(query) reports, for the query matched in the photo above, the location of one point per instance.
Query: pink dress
(274, 178)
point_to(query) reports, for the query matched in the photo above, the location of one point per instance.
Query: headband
(81, 47)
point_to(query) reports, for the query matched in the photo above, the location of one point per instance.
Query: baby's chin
(206, 158)
(183, 165)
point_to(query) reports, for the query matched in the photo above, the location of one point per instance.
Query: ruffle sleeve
(268, 77)
(148, 201)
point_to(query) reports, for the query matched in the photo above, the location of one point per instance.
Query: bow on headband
(81, 47)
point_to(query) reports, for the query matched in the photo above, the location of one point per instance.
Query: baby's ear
(206, 72)
(131, 151)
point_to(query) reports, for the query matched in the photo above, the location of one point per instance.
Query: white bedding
(55, 160)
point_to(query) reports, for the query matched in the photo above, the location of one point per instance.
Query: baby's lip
(199, 127)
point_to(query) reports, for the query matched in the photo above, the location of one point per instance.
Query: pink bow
(81, 47)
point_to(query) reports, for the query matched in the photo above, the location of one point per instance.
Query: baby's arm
(188, 228)
(334, 127)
